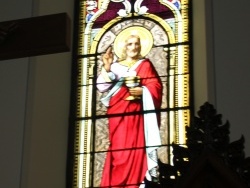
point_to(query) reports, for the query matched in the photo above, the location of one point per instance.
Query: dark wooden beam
(34, 36)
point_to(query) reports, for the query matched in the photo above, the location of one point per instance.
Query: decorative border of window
(92, 39)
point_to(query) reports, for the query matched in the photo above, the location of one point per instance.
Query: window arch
(163, 26)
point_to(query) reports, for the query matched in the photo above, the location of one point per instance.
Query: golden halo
(145, 36)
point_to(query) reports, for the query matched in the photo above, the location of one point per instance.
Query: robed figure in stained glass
(133, 122)
(113, 145)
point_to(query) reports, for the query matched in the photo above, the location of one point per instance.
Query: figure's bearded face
(133, 48)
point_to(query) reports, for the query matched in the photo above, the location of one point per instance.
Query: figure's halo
(144, 34)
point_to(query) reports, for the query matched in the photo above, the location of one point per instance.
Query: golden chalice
(132, 81)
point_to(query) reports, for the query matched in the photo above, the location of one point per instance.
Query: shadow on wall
(209, 159)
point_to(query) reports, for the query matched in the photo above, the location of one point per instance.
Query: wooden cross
(34, 36)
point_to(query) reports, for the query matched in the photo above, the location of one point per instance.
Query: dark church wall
(13, 84)
(232, 65)
(34, 108)
(221, 61)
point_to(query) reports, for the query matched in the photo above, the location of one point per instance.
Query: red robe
(126, 162)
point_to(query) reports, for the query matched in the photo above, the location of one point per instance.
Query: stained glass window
(131, 97)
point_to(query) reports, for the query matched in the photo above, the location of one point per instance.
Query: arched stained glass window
(126, 114)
